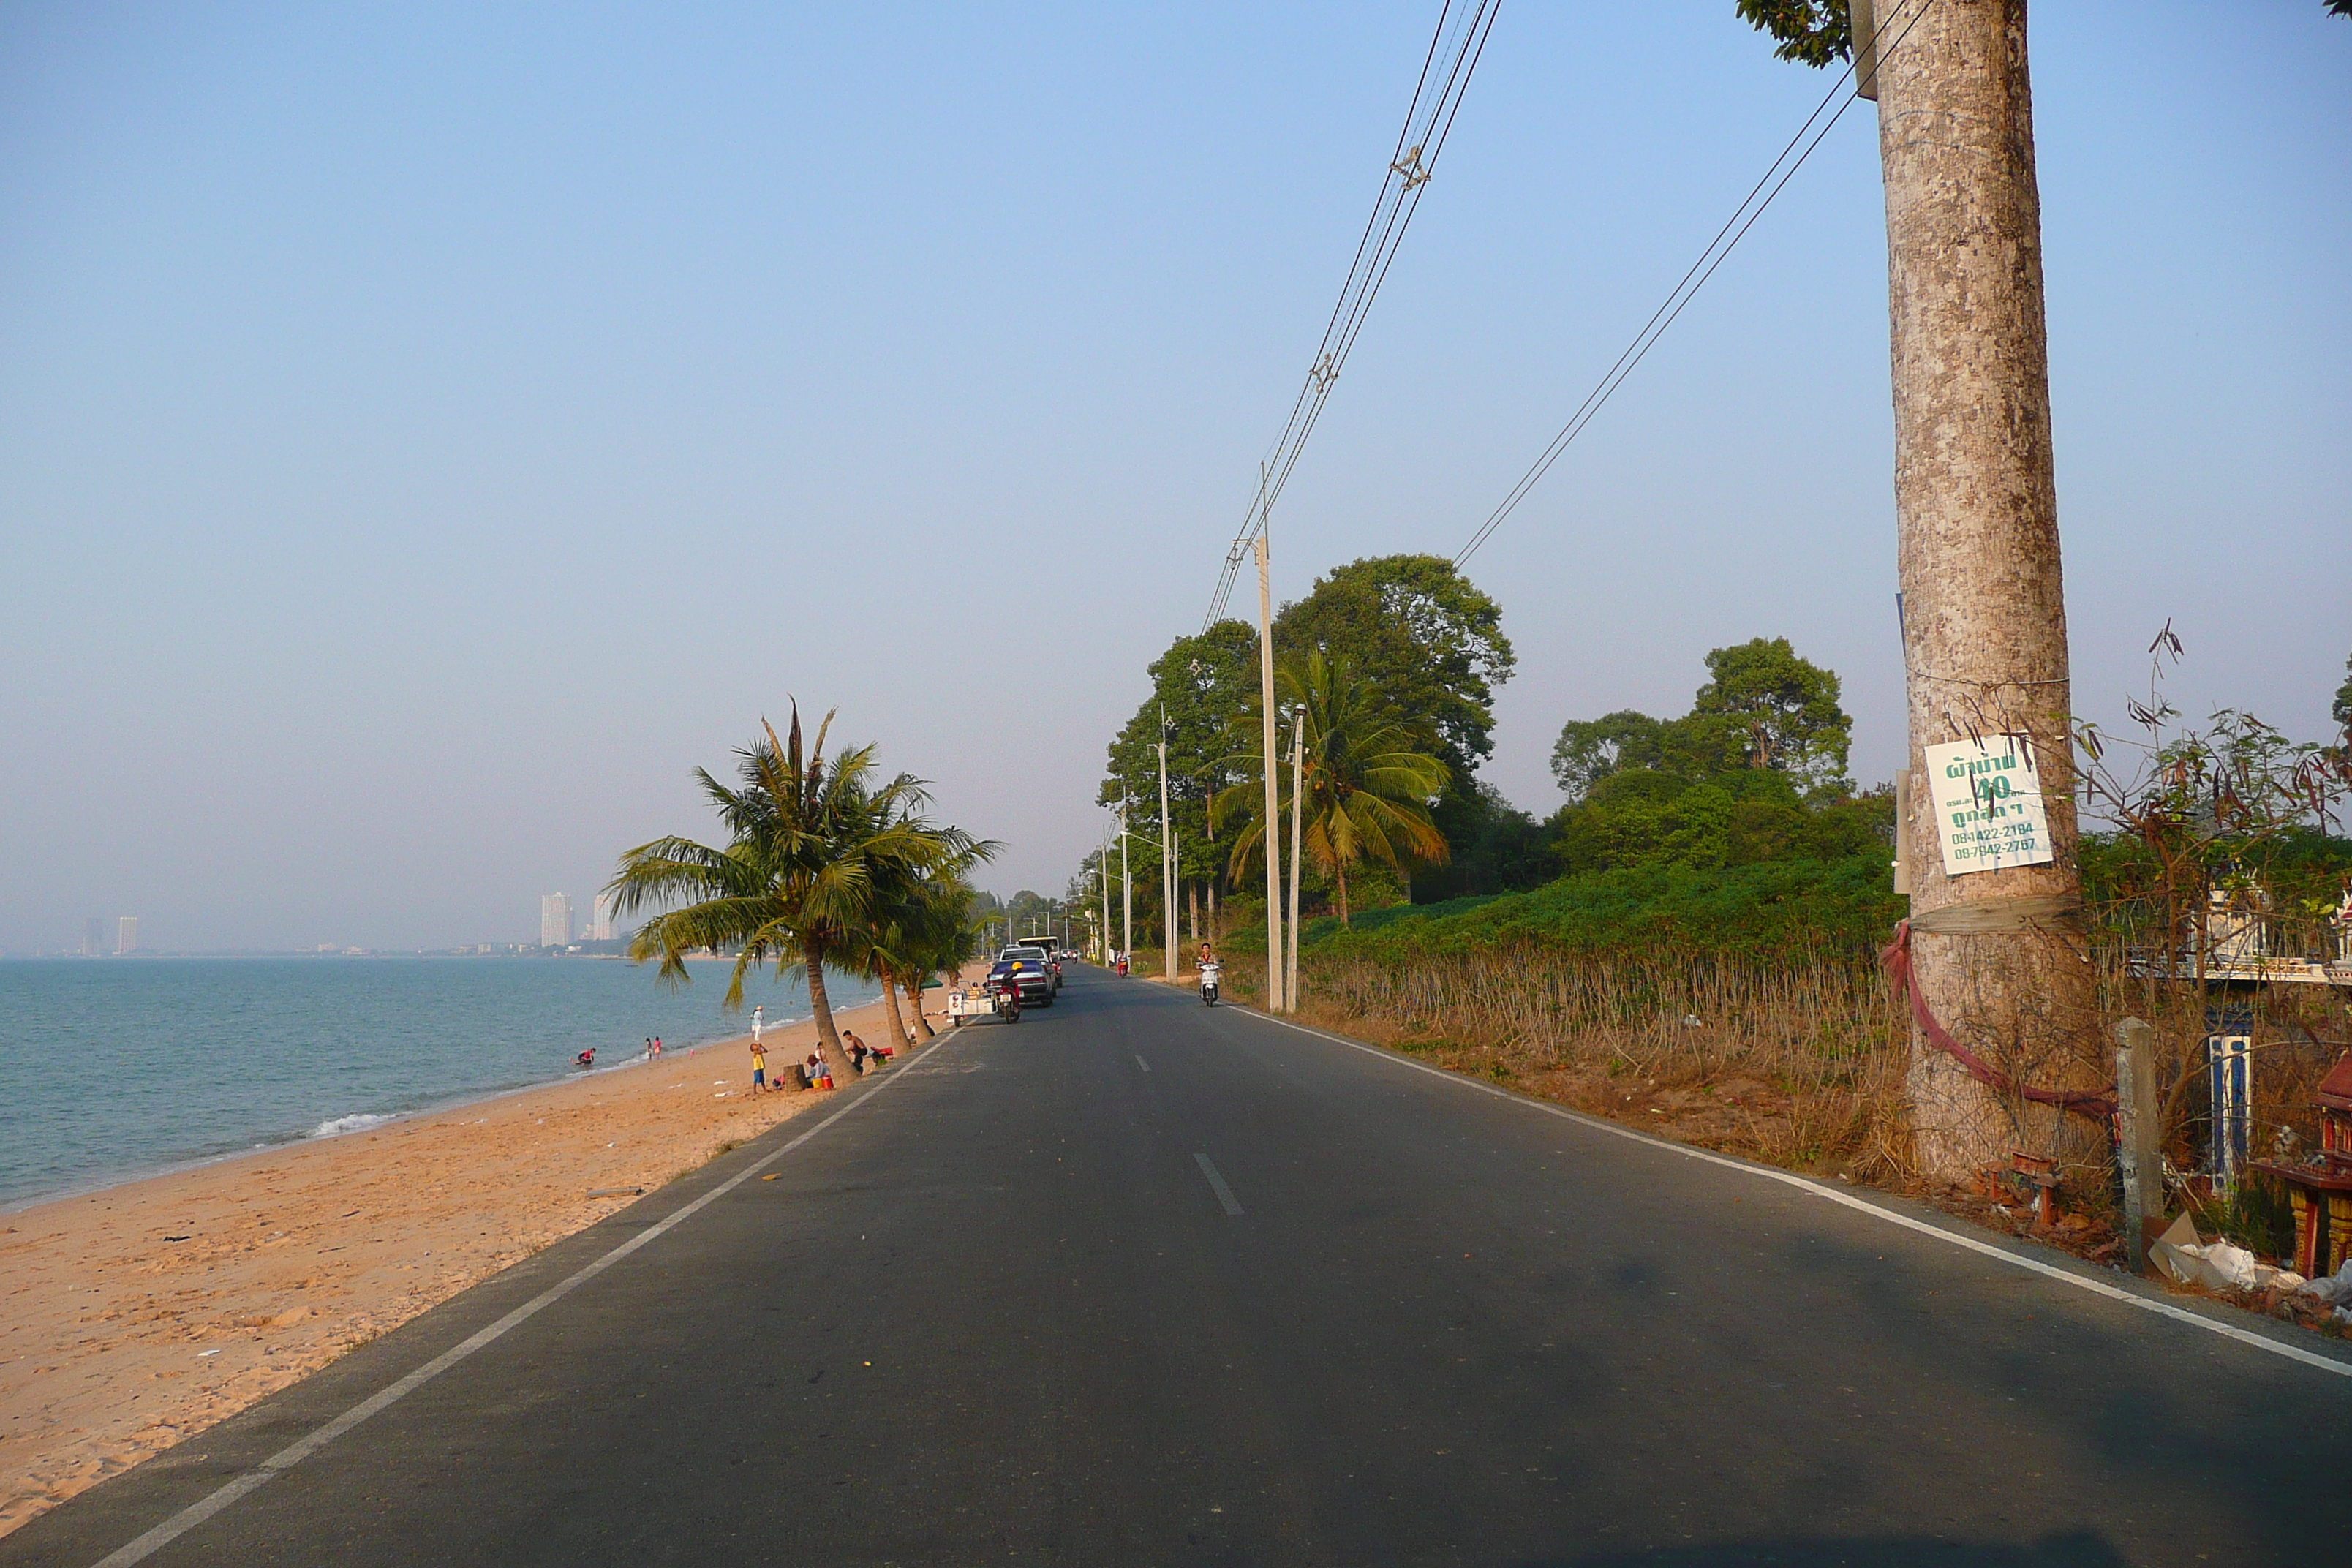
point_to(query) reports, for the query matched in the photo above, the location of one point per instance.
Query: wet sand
(137, 1316)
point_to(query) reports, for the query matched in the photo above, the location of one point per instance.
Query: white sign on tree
(1988, 810)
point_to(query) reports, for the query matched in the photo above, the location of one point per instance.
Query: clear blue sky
(425, 432)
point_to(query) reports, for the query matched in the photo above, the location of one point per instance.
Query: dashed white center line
(1217, 1185)
(1144, 1065)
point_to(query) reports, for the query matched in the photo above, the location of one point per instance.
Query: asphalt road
(1133, 1281)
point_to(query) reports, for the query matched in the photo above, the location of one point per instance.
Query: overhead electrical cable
(1735, 228)
(1458, 41)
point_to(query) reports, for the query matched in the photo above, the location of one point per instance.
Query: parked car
(1029, 969)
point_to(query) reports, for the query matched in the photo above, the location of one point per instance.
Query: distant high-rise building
(555, 919)
(126, 934)
(600, 923)
(93, 937)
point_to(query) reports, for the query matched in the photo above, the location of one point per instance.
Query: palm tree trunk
(828, 1036)
(1984, 605)
(915, 1001)
(1341, 871)
(898, 1034)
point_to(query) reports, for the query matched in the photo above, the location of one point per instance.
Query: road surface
(1134, 1281)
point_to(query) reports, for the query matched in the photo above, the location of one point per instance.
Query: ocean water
(115, 1068)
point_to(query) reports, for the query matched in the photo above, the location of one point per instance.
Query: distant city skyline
(555, 919)
(126, 934)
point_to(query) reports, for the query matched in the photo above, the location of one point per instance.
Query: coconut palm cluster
(826, 864)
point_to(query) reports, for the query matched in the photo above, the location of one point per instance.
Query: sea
(115, 1068)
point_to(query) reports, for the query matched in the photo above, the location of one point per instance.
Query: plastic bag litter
(2216, 1265)
(2332, 1288)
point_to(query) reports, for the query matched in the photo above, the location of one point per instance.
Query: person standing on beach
(758, 1067)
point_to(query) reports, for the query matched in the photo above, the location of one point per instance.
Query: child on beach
(758, 1067)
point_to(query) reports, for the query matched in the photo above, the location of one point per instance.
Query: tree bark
(899, 1035)
(1342, 874)
(1983, 600)
(914, 987)
(828, 1036)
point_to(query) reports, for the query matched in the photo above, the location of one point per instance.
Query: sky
(429, 433)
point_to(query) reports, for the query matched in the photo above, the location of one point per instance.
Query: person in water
(586, 1058)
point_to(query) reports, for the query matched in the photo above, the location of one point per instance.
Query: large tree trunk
(828, 1037)
(1984, 608)
(914, 987)
(899, 1035)
(1341, 871)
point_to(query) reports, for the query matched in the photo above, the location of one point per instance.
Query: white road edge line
(1805, 1183)
(1217, 1185)
(1141, 1063)
(286, 1458)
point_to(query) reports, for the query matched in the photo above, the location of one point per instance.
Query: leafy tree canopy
(1787, 707)
(1422, 633)
(1642, 817)
(1812, 32)
(1202, 684)
(2342, 710)
(1766, 709)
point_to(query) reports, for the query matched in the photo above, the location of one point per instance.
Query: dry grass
(1800, 1067)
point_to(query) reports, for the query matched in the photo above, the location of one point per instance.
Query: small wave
(358, 1122)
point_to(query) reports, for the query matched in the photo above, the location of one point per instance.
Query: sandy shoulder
(134, 1317)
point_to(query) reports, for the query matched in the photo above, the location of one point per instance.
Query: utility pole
(1167, 858)
(1977, 550)
(1125, 886)
(1105, 868)
(1275, 998)
(1297, 767)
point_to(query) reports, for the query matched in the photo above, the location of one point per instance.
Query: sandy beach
(137, 1316)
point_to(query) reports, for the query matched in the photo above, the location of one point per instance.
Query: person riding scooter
(1212, 974)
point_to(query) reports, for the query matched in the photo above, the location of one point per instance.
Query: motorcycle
(1209, 975)
(1008, 1003)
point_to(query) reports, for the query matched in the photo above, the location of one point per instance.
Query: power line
(1735, 228)
(1460, 40)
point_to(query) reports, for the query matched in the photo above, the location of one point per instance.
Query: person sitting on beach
(758, 1067)
(819, 1075)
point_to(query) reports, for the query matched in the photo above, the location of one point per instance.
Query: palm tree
(1366, 789)
(942, 938)
(814, 845)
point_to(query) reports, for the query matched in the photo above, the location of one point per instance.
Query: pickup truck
(1031, 970)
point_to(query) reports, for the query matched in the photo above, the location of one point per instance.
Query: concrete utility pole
(1126, 889)
(1277, 999)
(1297, 764)
(1167, 858)
(1104, 945)
(1984, 605)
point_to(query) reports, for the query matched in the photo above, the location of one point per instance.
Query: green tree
(1786, 706)
(1590, 750)
(2342, 710)
(1423, 636)
(1766, 709)
(813, 846)
(1366, 787)
(1200, 684)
